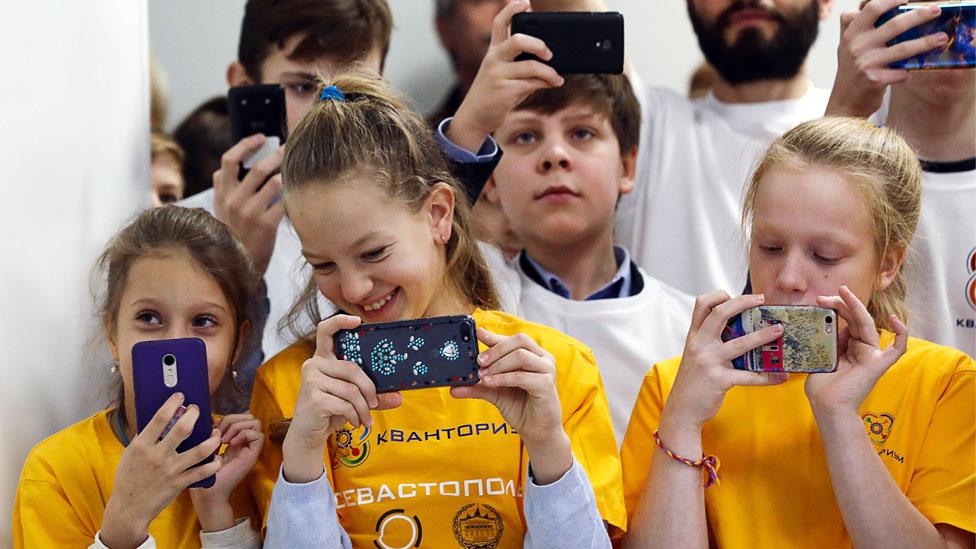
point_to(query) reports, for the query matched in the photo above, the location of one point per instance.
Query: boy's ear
(440, 209)
(890, 267)
(628, 171)
(237, 75)
(825, 6)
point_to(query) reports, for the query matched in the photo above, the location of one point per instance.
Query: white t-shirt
(940, 269)
(681, 222)
(627, 335)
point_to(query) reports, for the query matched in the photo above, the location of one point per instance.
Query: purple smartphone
(166, 366)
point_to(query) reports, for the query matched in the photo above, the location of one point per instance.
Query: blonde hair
(883, 168)
(161, 144)
(372, 134)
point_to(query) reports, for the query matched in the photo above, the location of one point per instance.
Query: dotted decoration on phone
(384, 358)
(349, 341)
(450, 350)
(415, 343)
(420, 369)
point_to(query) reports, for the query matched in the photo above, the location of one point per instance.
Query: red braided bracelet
(709, 463)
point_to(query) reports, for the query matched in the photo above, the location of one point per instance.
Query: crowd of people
(601, 233)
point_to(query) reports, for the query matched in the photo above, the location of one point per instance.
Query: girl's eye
(769, 249)
(826, 260)
(167, 198)
(373, 255)
(523, 138)
(204, 321)
(323, 268)
(149, 317)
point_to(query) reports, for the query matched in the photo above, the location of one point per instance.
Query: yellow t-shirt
(444, 472)
(776, 489)
(67, 480)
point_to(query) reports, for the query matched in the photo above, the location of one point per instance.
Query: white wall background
(194, 41)
(74, 152)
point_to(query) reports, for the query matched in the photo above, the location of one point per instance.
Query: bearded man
(681, 221)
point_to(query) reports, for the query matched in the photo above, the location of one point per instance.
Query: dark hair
(204, 136)
(208, 242)
(346, 29)
(608, 94)
(374, 133)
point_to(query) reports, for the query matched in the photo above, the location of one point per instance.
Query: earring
(233, 374)
(115, 365)
(444, 239)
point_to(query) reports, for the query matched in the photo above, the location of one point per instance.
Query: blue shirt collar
(619, 286)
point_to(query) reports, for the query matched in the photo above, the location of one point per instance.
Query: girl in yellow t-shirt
(386, 231)
(876, 454)
(172, 273)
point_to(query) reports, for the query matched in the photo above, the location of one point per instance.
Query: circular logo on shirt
(878, 426)
(396, 530)
(478, 526)
(349, 448)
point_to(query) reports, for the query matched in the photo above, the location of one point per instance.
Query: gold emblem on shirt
(478, 526)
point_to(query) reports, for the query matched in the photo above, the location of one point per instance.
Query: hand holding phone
(151, 473)
(807, 343)
(581, 42)
(865, 55)
(503, 81)
(955, 20)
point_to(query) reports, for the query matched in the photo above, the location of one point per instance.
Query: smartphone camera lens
(465, 329)
(604, 45)
(169, 360)
(829, 320)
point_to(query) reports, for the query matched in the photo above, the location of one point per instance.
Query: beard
(752, 57)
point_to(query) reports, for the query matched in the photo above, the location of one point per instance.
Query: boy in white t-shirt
(570, 153)
(935, 111)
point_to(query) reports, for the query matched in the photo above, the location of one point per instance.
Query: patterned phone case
(808, 343)
(166, 366)
(413, 354)
(957, 20)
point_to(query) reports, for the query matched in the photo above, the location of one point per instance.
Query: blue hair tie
(332, 92)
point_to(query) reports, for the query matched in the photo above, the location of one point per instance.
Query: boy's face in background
(300, 78)
(561, 175)
(939, 88)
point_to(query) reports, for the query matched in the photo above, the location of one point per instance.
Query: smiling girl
(876, 454)
(386, 231)
(172, 273)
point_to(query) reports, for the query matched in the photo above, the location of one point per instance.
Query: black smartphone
(808, 343)
(257, 109)
(163, 367)
(957, 20)
(581, 42)
(413, 354)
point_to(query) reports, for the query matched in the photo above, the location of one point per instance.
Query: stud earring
(444, 239)
(233, 374)
(115, 365)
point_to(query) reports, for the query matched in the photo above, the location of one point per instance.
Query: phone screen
(413, 354)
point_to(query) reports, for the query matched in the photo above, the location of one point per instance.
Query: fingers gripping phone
(957, 20)
(581, 42)
(413, 354)
(257, 109)
(808, 343)
(163, 367)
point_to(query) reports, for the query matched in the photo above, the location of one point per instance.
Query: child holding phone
(875, 454)
(506, 462)
(171, 273)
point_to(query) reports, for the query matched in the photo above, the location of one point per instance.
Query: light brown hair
(373, 134)
(211, 245)
(161, 144)
(881, 166)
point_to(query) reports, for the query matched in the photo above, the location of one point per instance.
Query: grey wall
(194, 41)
